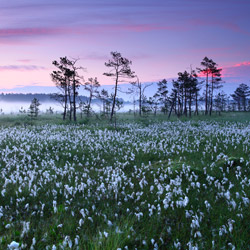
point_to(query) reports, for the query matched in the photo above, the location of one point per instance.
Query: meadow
(151, 183)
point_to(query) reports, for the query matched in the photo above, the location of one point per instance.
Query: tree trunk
(90, 100)
(206, 97)
(244, 103)
(65, 103)
(185, 103)
(178, 104)
(114, 98)
(182, 101)
(140, 99)
(211, 98)
(134, 105)
(190, 103)
(172, 106)
(70, 104)
(196, 102)
(74, 100)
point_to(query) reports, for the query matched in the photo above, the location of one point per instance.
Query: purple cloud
(21, 68)
(20, 32)
(16, 35)
(218, 23)
(241, 69)
(24, 60)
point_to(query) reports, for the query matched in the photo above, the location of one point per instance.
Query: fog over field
(14, 107)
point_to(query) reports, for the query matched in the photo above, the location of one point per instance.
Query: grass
(43, 119)
(149, 184)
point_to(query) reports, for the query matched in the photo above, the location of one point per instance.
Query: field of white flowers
(168, 185)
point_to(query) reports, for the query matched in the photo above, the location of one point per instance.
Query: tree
(220, 102)
(50, 111)
(184, 84)
(176, 97)
(91, 86)
(216, 83)
(185, 91)
(208, 65)
(106, 101)
(193, 91)
(240, 96)
(139, 90)
(67, 80)
(162, 95)
(173, 99)
(145, 105)
(153, 104)
(245, 92)
(34, 108)
(75, 84)
(61, 78)
(120, 70)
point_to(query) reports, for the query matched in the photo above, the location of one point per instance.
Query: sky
(160, 37)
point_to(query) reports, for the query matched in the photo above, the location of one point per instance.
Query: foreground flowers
(183, 185)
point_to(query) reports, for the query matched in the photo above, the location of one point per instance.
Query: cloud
(218, 23)
(24, 60)
(22, 32)
(235, 73)
(91, 28)
(143, 27)
(19, 35)
(23, 36)
(241, 70)
(242, 64)
(21, 68)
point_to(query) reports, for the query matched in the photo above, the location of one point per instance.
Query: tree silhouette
(208, 65)
(61, 78)
(216, 83)
(240, 96)
(162, 95)
(139, 90)
(67, 80)
(91, 86)
(34, 108)
(120, 70)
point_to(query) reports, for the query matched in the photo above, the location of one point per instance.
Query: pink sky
(161, 38)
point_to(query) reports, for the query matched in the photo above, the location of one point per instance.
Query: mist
(14, 107)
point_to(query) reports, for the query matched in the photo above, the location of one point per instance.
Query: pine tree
(67, 80)
(91, 86)
(120, 70)
(162, 95)
(34, 108)
(240, 96)
(139, 89)
(208, 65)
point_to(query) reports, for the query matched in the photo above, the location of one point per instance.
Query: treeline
(189, 90)
(193, 92)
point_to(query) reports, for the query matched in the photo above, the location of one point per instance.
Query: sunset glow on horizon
(161, 38)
